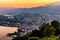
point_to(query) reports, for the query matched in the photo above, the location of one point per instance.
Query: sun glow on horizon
(25, 3)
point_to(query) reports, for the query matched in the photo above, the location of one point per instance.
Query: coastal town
(25, 22)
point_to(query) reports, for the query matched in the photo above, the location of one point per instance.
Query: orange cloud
(25, 3)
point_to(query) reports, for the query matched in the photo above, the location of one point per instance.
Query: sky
(25, 3)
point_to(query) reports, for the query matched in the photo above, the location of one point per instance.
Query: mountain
(4, 10)
(51, 9)
(55, 4)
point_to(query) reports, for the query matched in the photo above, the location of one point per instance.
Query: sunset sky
(25, 3)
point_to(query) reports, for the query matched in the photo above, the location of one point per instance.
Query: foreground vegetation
(45, 32)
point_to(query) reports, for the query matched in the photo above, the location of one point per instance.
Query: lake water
(5, 30)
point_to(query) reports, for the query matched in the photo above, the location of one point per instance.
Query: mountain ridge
(51, 9)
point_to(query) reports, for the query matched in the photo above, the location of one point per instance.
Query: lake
(5, 30)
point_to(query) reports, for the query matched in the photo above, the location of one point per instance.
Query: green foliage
(55, 24)
(35, 33)
(34, 38)
(50, 38)
(47, 30)
(25, 37)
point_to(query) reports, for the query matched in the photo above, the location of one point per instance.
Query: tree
(58, 38)
(56, 25)
(25, 37)
(35, 33)
(47, 30)
(34, 38)
(49, 38)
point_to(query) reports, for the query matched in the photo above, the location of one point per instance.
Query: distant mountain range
(51, 9)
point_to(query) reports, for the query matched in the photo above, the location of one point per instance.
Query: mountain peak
(55, 4)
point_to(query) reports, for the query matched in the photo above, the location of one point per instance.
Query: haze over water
(5, 30)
